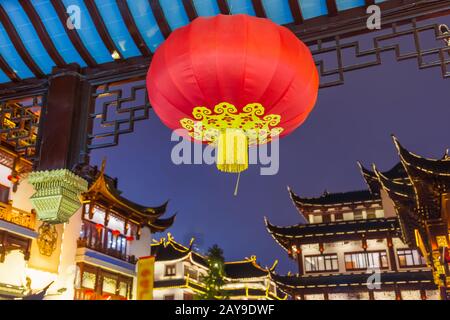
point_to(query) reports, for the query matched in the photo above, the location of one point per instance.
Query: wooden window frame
(170, 266)
(366, 254)
(323, 256)
(421, 265)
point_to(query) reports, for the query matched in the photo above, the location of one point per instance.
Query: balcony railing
(16, 216)
(102, 240)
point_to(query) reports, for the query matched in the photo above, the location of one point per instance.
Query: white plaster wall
(4, 173)
(12, 270)
(141, 247)
(388, 205)
(160, 293)
(67, 267)
(21, 198)
(160, 268)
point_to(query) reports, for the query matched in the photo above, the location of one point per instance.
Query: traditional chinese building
(353, 245)
(92, 256)
(179, 270)
(422, 204)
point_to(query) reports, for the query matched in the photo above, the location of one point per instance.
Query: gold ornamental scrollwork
(47, 239)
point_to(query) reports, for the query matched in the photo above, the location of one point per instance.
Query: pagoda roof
(397, 172)
(430, 178)
(286, 282)
(249, 293)
(103, 190)
(401, 192)
(319, 232)
(333, 199)
(247, 268)
(115, 33)
(170, 250)
(434, 167)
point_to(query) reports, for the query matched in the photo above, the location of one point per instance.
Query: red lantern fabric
(234, 58)
(238, 60)
(115, 233)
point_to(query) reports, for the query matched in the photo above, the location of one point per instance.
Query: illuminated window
(357, 215)
(190, 272)
(410, 258)
(371, 214)
(186, 296)
(320, 263)
(171, 270)
(109, 285)
(326, 218)
(366, 260)
(88, 280)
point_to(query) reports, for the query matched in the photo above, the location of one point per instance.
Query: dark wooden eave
(223, 7)
(333, 231)
(132, 28)
(437, 167)
(335, 283)
(296, 11)
(160, 18)
(190, 9)
(42, 32)
(259, 8)
(334, 199)
(397, 173)
(18, 44)
(332, 8)
(72, 33)
(8, 71)
(101, 28)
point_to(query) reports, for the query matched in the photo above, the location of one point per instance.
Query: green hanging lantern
(57, 196)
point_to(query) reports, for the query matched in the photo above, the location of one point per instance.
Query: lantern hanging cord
(237, 184)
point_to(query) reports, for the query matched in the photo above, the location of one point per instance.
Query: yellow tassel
(232, 151)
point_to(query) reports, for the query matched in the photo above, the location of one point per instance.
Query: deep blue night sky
(349, 123)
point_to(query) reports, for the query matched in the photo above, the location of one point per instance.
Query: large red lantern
(235, 81)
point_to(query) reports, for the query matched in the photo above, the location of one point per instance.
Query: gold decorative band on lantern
(224, 125)
(232, 151)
